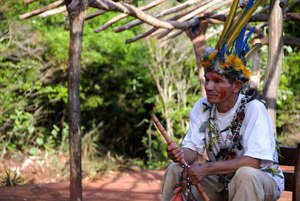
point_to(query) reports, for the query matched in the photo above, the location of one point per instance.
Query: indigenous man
(233, 130)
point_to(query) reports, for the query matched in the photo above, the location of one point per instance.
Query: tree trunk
(273, 71)
(76, 10)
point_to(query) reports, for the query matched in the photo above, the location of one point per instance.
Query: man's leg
(170, 179)
(213, 188)
(172, 176)
(251, 184)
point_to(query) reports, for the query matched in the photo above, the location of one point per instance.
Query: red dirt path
(118, 186)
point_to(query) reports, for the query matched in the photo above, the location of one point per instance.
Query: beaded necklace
(217, 147)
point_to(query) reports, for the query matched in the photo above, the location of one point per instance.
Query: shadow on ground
(117, 186)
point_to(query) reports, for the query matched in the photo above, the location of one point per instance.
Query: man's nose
(209, 85)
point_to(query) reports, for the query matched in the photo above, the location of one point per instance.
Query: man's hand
(175, 153)
(196, 172)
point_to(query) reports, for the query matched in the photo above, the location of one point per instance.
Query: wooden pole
(198, 37)
(76, 10)
(275, 56)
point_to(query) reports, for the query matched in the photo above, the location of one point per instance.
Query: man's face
(218, 88)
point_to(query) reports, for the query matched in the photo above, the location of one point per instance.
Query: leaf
(34, 151)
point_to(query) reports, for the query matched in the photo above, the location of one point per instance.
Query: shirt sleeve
(194, 138)
(258, 136)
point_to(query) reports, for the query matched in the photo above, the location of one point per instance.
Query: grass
(11, 177)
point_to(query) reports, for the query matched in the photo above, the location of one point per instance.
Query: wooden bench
(290, 156)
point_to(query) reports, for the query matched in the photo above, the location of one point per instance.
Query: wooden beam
(140, 36)
(39, 11)
(121, 16)
(200, 12)
(135, 12)
(95, 14)
(291, 16)
(287, 40)
(53, 11)
(29, 1)
(166, 12)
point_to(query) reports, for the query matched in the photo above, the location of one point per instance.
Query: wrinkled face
(219, 89)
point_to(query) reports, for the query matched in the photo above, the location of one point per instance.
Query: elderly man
(232, 130)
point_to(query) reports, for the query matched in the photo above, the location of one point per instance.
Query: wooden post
(254, 79)
(76, 10)
(198, 37)
(273, 71)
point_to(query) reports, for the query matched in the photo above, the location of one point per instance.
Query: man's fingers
(178, 154)
(172, 146)
(175, 152)
(195, 173)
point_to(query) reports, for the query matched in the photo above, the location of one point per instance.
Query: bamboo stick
(140, 36)
(95, 14)
(168, 139)
(53, 11)
(123, 15)
(200, 12)
(29, 1)
(166, 12)
(39, 11)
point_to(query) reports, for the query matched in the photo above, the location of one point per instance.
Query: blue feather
(239, 42)
(221, 53)
(249, 5)
(246, 39)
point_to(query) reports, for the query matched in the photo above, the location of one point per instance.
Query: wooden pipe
(168, 139)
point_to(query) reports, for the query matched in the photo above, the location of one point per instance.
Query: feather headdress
(229, 55)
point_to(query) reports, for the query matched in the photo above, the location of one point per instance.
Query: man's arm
(176, 153)
(198, 171)
(190, 156)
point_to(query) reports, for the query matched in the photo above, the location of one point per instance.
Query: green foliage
(173, 71)
(11, 178)
(289, 95)
(115, 83)
(292, 28)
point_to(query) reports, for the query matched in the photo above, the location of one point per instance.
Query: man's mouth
(211, 94)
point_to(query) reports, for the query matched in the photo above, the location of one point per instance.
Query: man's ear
(237, 86)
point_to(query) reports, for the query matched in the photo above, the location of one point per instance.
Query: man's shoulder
(256, 103)
(201, 103)
(200, 107)
(256, 107)
(254, 98)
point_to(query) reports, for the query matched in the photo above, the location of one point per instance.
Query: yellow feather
(242, 23)
(236, 23)
(228, 22)
(231, 28)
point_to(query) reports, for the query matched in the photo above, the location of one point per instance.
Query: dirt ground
(116, 186)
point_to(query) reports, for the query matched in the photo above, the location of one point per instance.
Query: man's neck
(227, 105)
